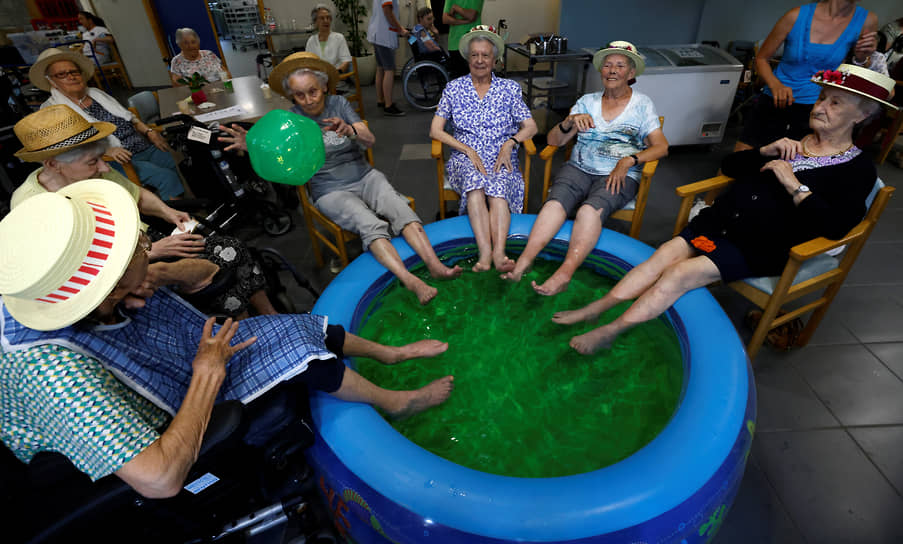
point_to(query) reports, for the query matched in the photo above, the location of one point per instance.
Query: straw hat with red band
(482, 31)
(54, 130)
(858, 80)
(62, 253)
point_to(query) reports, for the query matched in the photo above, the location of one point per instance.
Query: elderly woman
(97, 36)
(328, 45)
(69, 150)
(65, 74)
(491, 121)
(786, 192)
(617, 130)
(347, 189)
(193, 59)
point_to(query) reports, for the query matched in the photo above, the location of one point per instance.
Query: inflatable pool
(380, 487)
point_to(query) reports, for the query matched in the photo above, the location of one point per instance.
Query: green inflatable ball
(285, 147)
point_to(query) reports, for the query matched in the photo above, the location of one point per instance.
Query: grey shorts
(385, 57)
(573, 187)
(361, 207)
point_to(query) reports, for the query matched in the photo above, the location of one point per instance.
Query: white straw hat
(62, 253)
(38, 71)
(481, 31)
(858, 80)
(620, 48)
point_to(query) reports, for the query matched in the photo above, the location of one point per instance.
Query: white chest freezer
(691, 85)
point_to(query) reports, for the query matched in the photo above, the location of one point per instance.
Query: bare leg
(500, 221)
(261, 302)
(585, 234)
(379, 85)
(385, 253)
(547, 224)
(355, 346)
(676, 280)
(633, 284)
(397, 404)
(415, 236)
(478, 214)
(740, 146)
(387, 83)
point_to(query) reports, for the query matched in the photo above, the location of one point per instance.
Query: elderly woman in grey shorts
(617, 130)
(347, 189)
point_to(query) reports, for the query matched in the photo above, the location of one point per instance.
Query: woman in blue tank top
(816, 37)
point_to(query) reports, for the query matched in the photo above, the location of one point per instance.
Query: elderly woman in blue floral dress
(490, 122)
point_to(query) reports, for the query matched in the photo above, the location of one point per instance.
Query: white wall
(127, 20)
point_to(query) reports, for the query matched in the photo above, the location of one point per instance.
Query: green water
(526, 404)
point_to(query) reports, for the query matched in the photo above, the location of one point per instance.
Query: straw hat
(296, 61)
(38, 72)
(62, 253)
(620, 48)
(481, 31)
(858, 80)
(55, 129)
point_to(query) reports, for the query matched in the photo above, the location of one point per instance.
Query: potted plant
(195, 83)
(352, 14)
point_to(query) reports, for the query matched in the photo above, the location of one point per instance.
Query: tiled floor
(826, 464)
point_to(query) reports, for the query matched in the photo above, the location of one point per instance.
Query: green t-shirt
(456, 31)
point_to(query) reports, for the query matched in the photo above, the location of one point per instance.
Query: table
(247, 95)
(570, 56)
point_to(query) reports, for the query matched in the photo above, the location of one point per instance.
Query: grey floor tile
(852, 383)
(890, 225)
(785, 400)
(833, 493)
(878, 263)
(871, 313)
(891, 355)
(883, 446)
(415, 151)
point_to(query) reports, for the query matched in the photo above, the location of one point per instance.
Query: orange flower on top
(703, 244)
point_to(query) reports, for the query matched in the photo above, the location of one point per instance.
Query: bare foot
(593, 340)
(516, 274)
(414, 402)
(443, 272)
(552, 286)
(503, 263)
(569, 317)
(482, 266)
(417, 350)
(424, 292)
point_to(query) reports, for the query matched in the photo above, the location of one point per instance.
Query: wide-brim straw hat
(62, 253)
(296, 61)
(858, 80)
(38, 71)
(620, 48)
(55, 129)
(481, 31)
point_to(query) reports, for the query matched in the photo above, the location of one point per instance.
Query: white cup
(267, 93)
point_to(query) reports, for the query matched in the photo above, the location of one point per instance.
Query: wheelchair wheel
(423, 84)
(407, 66)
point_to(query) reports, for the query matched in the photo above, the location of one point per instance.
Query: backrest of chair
(877, 202)
(146, 104)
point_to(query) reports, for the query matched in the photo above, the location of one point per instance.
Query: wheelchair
(250, 481)
(424, 77)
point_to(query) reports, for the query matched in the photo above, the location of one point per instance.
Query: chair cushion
(630, 205)
(811, 268)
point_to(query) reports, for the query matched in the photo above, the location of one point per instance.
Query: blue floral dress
(484, 124)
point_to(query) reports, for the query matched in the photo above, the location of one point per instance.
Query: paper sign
(199, 134)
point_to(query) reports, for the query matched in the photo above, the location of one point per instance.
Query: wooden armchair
(447, 194)
(129, 169)
(633, 211)
(354, 97)
(809, 268)
(114, 69)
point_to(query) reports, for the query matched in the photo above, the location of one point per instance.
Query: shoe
(381, 105)
(393, 111)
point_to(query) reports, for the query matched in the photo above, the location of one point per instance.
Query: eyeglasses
(67, 74)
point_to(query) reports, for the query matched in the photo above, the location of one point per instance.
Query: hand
(404, 32)
(583, 121)
(476, 160)
(214, 350)
(176, 217)
(615, 181)
(337, 125)
(236, 138)
(120, 154)
(784, 149)
(178, 245)
(784, 172)
(504, 158)
(783, 95)
(865, 46)
(158, 140)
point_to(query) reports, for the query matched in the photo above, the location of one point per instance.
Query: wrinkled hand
(476, 160)
(177, 245)
(616, 178)
(158, 140)
(176, 217)
(504, 158)
(236, 138)
(783, 95)
(337, 125)
(214, 350)
(583, 121)
(865, 46)
(784, 172)
(120, 154)
(784, 149)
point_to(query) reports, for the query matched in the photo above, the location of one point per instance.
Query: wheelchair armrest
(225, 420)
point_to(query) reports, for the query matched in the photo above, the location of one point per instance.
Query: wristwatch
(801, 189)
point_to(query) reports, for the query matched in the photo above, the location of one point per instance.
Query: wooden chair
(130, 171)
(809, 268)
(447, 194)
(894, 119)
(633, 211)
(354, 97)
(114, 69)
(322, 229)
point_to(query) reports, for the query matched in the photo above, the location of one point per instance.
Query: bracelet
(148, 131)
(562, 128)
(866, 62)
(516, 143)
(353, 129)
(636, 160)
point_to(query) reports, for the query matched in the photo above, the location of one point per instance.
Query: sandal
(780, 338)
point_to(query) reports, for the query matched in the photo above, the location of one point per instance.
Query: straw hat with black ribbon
(620, 48)
(858, 80)
(296, 61)
(55, 129)
(38, 71)
(62, 253)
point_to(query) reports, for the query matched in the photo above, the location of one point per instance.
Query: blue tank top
(803, 58)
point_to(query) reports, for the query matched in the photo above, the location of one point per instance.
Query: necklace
(808, 153)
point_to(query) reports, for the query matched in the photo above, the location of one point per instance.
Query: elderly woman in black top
(786, 192)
